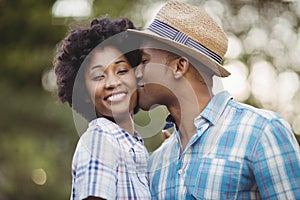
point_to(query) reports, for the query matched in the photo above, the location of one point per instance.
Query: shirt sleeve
(277, 162)
(94, 166)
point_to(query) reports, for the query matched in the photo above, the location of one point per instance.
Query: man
(220, 149)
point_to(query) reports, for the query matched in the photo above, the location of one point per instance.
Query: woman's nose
(112, 82)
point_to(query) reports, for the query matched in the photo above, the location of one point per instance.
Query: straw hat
(191, 30)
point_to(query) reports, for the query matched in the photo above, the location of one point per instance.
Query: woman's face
(111, 83)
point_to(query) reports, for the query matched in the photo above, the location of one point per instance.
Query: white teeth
(116, 97)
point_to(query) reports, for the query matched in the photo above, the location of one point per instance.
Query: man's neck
(185, 111)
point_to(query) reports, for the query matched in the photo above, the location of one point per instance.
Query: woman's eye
(97, 77)
(123, 71)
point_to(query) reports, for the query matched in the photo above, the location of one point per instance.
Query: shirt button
(180, 171)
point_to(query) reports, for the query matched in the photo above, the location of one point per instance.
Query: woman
(96, 79)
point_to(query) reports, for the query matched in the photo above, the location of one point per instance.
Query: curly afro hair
(75, 48)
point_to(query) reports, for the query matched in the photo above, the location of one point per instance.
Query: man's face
(153, 76)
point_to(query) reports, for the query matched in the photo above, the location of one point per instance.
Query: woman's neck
(126, 123)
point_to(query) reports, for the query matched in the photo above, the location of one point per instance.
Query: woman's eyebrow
(95, 67)
(119, 61)
(101, 66)
(91, 69)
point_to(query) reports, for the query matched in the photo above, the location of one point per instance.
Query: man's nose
(139, 71)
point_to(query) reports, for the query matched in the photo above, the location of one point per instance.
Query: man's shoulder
(251, 111)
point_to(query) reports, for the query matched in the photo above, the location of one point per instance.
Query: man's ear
(182, 66)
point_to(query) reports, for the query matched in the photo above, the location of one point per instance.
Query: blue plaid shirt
(109, 163)
(238, 152)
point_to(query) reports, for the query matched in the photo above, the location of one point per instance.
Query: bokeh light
(39, 176)
(263, 81)
(296, 125)
(49, 81)
(288, 85)
(237, 83)
(72, 8)
(255, 40)
(235, 47)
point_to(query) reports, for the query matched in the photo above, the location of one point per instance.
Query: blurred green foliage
(37, 131)
(27, 40)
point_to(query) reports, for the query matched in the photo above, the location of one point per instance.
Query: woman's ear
(87, 98)
(182, 66)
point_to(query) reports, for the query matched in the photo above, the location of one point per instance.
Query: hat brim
(218, 69)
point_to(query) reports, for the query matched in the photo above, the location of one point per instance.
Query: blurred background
(38, 134)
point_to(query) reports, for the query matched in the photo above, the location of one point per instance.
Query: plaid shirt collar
(208, 117)
(128, 141)
(212, 111)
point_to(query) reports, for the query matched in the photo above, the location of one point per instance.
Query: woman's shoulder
(103, 125)
(97, 134)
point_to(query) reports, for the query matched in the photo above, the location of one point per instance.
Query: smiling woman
(98, 81)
